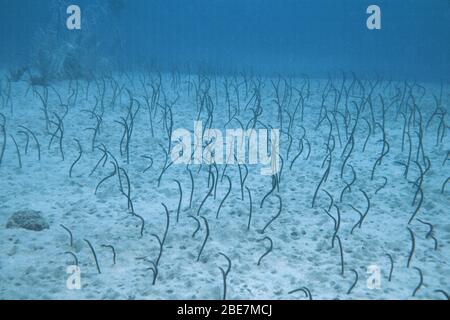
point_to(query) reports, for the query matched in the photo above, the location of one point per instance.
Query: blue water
(291, 36)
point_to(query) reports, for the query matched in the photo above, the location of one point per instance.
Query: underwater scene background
(224, 149)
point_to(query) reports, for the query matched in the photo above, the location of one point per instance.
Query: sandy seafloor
(33, 264)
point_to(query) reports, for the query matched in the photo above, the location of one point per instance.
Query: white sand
(33, 264)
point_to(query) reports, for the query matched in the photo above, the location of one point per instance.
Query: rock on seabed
(27, 219)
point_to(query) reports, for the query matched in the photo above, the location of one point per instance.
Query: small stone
(27, 219)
